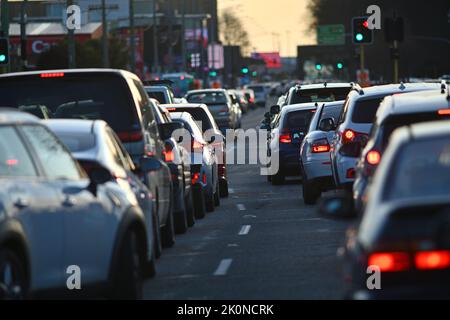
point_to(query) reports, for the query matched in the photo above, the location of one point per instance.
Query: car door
(33, 203)
(89, 221)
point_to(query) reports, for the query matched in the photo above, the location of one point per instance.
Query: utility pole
(23, 35)
(105, 49)
(5, 26)
(170, 41)
(155, 38)
(71, 42)
(362, 58)
(132, 38)
(183, 36)
(396, 62)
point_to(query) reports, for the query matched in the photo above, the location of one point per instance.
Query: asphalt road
(262, 243)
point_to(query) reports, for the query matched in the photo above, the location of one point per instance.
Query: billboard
(271, 59)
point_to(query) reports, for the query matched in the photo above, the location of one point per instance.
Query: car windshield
(319, 95)
(74, 97)
(77, 142)
(421, 169)
(366, 110)
(298, 120)
(209, 98)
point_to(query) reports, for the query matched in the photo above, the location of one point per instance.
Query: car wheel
(223, 186)
(277, 179)
(217, 196)
(168, 231)
(311, 192)
(181, 223)
(129, 279)
(210, 207)
(157, 236)
(150, 267)
(190, 210)
(13, 279)
(199, 204)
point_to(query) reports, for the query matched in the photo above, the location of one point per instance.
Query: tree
(88, 55)
(233, 32)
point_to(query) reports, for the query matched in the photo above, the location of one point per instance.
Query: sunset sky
(288, 18)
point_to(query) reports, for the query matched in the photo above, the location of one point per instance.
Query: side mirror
(275, 110)
(167, 129)
(337, 206)
(352, 149)
(213, 139)
(98, 176)
(268, 116)
(327, 125)
(149, 164)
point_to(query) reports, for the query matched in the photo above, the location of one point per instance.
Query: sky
(273, 24)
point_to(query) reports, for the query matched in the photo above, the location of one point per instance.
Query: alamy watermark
(74, 279)
(73, 17)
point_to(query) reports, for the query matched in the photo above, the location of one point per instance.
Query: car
(207, 124)
(260, 94)
(320, 92)
(162, 93)
(237, 123)
(315, 151)
(205, 175)
(250, 95)
(95, 145)
(178, 160)
(286, 137)
(355, 123)
(115, 96)
(394, 112)
(403, 232)
(242, 100)
(219, 103)
(54, 218)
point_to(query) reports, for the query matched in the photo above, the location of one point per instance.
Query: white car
(315, 151)
(355, 123)
(55, 220)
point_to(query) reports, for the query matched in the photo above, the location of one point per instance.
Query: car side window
(123, 158)
(54, 158)
(15, 161)
(344, 112)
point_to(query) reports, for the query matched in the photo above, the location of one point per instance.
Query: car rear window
(318, 95)
(160, 96)
(331, 111)
(208, 98)
(199, 115)
(77, 142)
(299, 120)
(366, 110)
(421, 169)
(257, 89)
(74, 97)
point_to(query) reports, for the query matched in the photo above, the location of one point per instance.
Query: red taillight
(348, 136)
(390, 261)
(432, 260)
(195, 178)
(12, 162)
(444, 112)
(169, 156)
(373, 158)
(351, 173)
(171, 109)
(320, 146)
(133, 136)
(285, 136)
(52, 75)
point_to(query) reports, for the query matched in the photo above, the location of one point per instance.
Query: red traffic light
(366, 24)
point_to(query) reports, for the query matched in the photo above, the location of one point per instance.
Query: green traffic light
(359, 37)
(254, 73)
(340, 66)
(2, 58)
(318, 67)
(213, 73)
(245, 70)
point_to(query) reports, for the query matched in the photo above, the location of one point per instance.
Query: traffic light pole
(5, 25)
(105, 50)
(396, 63)
(362, 58)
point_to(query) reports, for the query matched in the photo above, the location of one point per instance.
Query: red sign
(271, 59)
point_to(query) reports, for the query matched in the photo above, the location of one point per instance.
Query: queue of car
(385, 150)
(95, 177)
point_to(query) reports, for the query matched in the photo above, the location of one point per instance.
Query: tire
(217, 196)
(157, 237)
(190, 210)
(13, 278)
(128, 284)
(199, 204)
(311, 192)
(223, 186)
(150, 267)
(210, 207)
(181, 221)
(168, 231)
(277, 179)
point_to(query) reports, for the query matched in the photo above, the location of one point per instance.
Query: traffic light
(318, 66)
(340, 65)
(4, 51)
(361, 32)
(254, 74)
(394, 29)
(213, 73)
(245, 70)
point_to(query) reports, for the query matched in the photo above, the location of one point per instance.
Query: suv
(395, 112)
(260, 92)
(163, 94)
(324, 92)
(355, 123)
(115, 96)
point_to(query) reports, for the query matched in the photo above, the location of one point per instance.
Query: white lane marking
(223, 267)
(230, 190)
(249, 216)
(245, 230)
(241, 207)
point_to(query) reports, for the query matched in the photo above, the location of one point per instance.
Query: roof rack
(443, 87)
(402, 86)
(357, 88)
(325, 84)
(166, 83)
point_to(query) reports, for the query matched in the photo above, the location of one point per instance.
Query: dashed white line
(241, 207)
(245, 230)
(230, 190)
(223, 267)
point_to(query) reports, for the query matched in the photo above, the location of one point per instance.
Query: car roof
(413, 102)
(389, 89)
(301, 106)
(75, 125)
(323, 85)
(206, 91)
(13, 116)
(71, 71)
(186, 105)
(182, 115)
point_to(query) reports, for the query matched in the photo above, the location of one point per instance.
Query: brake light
(195, 178)
(52, 75)
(169, 156)
(373, 158)
(12, 162)
(320, 146)
(390, 261)
(348, 136)
(285, 136)
(432, 260)
(444, 112)
(171, 109)
(133, 136)
(351, 173)
(196, 146)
